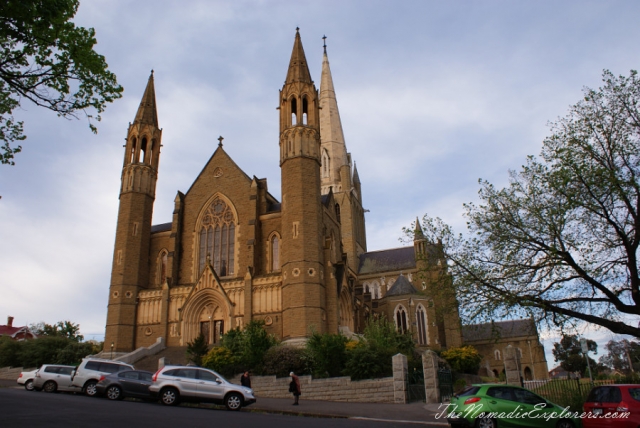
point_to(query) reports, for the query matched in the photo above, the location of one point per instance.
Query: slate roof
(499, 330)
(401, 287)
(395, 259)
(160, 227)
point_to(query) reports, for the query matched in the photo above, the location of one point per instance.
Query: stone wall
(332, 389)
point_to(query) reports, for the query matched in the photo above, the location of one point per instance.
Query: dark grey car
(131, 383)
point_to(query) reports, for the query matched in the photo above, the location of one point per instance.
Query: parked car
(26, 379)
(509, 404)
(87, 374)
(130, 383)
(172, 384)
(53, 377)
(607, 399)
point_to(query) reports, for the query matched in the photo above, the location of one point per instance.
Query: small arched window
(496, 355)
(401, 319)
(305, 110)
(294, 111)
(326, 164)
(338, 212)
(163, 257)
(132, 154)
(143, 150)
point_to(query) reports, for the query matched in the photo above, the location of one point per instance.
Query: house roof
(401, 287)
(499, 330)
(160, 227)
(395, 259)
(5, 330)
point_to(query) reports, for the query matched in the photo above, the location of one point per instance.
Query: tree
(560, 242)
(65, 329)
(568, 353)
(197, 349)
(464, 359)
(46, 59)
(620, 353)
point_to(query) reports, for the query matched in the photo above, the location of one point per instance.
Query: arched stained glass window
(217, 238)
(401, 319)
(421, 318)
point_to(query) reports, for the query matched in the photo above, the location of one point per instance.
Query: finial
(220, 141)
(297, 29)
(324, 41)
(152, 71)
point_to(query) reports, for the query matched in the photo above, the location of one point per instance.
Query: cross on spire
(220, 141)
(324, 41)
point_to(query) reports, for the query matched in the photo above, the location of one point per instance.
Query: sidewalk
(412, 414)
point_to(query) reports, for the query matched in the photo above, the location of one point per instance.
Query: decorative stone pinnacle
(220, 141)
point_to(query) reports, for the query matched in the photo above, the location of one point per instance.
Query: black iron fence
(565, 392)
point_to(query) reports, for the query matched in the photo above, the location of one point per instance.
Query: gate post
(400, 378)
(512, 366)
(430, 368)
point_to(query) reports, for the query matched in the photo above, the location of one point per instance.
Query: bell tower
(130, 269)
(303, 290)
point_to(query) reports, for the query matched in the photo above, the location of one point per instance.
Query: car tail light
(471, 400)
(20, 376)
(101, 378)
(622, 407)
(155, 376)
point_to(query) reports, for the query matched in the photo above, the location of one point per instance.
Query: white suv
(172, 384)
(88, 373)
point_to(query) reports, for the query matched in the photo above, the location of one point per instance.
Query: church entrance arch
(206, 312)
(346, 310)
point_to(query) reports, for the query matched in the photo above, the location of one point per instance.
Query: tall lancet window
(305, 111)
(294, 111)
(217, 238)
(421, 321)
(275, 253)
(326, 163)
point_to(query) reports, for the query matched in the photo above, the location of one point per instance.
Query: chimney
(10, 321)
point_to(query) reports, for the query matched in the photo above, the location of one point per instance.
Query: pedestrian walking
(294, 388)
(245, 379)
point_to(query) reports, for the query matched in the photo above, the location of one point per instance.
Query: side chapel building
(233, 253)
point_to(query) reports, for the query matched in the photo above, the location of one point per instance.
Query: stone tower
(337, 172)
(130, 270)
(303, 291)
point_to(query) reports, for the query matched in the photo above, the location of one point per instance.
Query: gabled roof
(499, 330)
(396, 259)
(401, 287)
(161, 227)
(5, 330)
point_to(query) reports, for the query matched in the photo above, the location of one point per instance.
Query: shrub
(222, 360)
(328, 352)
(197, 349)
(248, 346)
(368, 362)
(464, 359)
(282, 360)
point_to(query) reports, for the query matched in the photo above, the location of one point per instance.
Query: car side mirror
(218, 380)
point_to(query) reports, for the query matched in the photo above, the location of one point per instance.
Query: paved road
(20, 408)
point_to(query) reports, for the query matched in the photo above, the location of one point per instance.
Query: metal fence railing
(565, 392)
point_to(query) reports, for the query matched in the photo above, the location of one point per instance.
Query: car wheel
(565, 423)
(50, 386)
(169, 396)
(28, 385)
(114, 393)
(233, 401)
(486, 422)
(90, 388)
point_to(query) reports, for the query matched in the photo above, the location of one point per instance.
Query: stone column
(400, 371)
(512, 365)
(430, 368)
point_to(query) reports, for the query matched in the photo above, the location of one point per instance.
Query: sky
(432, 95)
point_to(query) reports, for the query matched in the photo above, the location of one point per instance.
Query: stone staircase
(173, 355)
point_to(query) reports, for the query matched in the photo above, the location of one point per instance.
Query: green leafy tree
(249, 345)
(46, 59)
(568, 352)
(283, 359)
(196, 349)
(560, 242)
(222, 360)
(620, 353)
(328, 353)
(464, 359)
(66, 329)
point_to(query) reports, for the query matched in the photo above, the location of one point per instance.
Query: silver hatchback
(172, 384)
(54, 377)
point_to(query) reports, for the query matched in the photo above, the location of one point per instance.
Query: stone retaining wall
(11, 373)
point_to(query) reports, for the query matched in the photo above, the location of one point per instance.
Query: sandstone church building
(233, 253)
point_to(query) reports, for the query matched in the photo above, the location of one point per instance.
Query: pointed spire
(417, 234)
(298, 69)
(356, 177)
(147, 112)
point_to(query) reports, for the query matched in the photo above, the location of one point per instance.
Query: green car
(492, 406)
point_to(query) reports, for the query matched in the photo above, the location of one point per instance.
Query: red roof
(5, 330)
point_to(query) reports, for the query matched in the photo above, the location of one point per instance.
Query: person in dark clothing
(294, 388)
(245, 379)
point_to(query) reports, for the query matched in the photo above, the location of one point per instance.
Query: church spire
(147, 112)
(298, 69)
(334, 149)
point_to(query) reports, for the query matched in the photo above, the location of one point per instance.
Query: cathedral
(234, 253)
